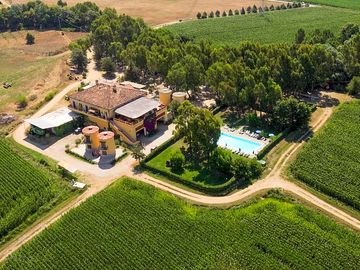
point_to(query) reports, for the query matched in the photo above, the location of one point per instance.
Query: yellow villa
(122, 108)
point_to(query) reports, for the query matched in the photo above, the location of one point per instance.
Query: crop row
(133, 226)
(25, 187)
(330, 161)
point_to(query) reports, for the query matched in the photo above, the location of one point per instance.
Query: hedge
(271, 145)
(218, 190)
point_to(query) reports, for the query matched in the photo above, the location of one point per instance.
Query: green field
(27, 189)
(192, 173)
(330, 161)
(276, 26)
(131, 225)
(351, 4)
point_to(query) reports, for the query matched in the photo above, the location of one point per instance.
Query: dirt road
(273, 180)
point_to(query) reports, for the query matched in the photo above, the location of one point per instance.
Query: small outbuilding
(57, 123)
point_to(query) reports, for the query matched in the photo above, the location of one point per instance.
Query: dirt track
(273, 180)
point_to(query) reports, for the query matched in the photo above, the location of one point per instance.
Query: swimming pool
(235, 143)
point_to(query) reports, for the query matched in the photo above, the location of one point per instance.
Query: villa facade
(122, 108)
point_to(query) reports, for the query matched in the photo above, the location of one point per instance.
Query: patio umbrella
(258, 131)
(271, 135)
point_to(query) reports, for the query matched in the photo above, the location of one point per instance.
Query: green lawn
(131, 225)
(192, 173)
(276, 26)
(351, 4)
(28, 188)
(330, 161)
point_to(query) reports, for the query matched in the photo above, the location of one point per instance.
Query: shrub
(236, 12)
(266, 9)
(230, 12)
(261, 10)
(49, 96)
(174, 105)
(177, 161)
(288, 6)
(217, 13)
(198, 15)
(248, 10)
(224, 13)
(283, 6)
(241, 168)
(278, 8)
(242, 11)
(30, 39)
(353, 87)
(211, 15)
(204, 15)
(22, 101)
(77, 142)
(221, 160)
(32, 97)
(272, 8)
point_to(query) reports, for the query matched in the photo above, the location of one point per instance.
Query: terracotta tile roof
(107, 96)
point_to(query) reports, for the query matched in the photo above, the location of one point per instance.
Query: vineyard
(27, 189)
(273, 27)
(134, 226)
(330, 161)
(351, 4)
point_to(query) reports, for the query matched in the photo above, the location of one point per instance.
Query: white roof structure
(138, 107)
(135, 85)
(53, 119)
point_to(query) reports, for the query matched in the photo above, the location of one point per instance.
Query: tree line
(248, 10)
(37, 15)
(248, 77)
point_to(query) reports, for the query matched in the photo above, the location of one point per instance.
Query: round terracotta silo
(179, 96)
(165, 96)
(107, 143)
(91, 134)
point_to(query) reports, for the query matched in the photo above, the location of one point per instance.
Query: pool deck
(236, 133)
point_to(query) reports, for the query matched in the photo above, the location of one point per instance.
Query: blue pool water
(235, 143)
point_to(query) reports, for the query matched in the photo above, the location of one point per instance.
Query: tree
(353, 87)
(177, 161)
(108, 66)
(300, 36)
(224, 13)
(211, 15)
(204, 15)
(217, 73)
(230, 12)
(248, 10)
(199, 128)
(22, 101)
(291, 113)
(348, 31)
(217, 13)
(188, 74)
(254, 9)
(242, 11)
(198, 15)
(137, 152)
(79, 59)
(30, 39)
(241, 169)
(221, 160)
(61, 3)
(236, 12)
